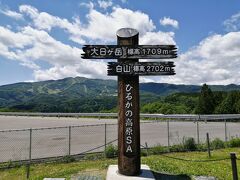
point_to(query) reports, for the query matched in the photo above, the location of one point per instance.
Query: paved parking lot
(52, 142)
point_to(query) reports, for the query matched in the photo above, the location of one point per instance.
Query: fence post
(146, 145)
(30, 145)
(225, 124)
(30, 153)
(168, 134)
(69, 139)
(28, 171)
(208, 146)
(105, 137)
(234, 166)
(198, 141)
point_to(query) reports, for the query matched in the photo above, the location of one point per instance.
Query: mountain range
(83, 95)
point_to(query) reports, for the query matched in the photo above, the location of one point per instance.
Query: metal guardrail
(114, 115)
(59, 114)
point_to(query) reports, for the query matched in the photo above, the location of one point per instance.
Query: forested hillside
(206, 102)
(95, 95)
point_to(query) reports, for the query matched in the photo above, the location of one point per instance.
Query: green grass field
(159, 164)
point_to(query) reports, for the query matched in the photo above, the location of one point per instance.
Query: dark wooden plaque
(141, 68)
(129, 52)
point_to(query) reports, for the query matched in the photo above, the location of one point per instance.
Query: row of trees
(205, 102)
(218, 102)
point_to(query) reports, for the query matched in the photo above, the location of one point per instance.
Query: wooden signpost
(129, 51)
(140, 68)
(128, 69)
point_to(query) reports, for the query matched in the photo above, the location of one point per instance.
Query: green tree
(167, 108)
(206, 102)
(230, 105)
(237, 106)
(151, 107)
(219, 96)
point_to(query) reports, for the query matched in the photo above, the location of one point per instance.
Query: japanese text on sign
(141, 68)
(128, 119)
(127, 51)
(140, 51)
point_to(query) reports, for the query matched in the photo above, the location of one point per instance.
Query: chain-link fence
(32, 144)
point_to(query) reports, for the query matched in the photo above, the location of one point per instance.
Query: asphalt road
(51, 142)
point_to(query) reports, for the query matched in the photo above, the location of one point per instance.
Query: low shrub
(68, 159)
(111, 151)
(11, 164)
(201, 147)
(144, 152)
(176, 148)
(235, 142)
(217, 144)
(158, 149)
(189, 144)
(94, 156)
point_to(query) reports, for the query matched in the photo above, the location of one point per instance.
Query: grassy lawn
(219, 169)
(159, 164)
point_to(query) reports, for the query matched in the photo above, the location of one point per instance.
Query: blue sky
(42, 40)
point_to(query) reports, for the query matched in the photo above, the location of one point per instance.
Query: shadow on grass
(162, 176)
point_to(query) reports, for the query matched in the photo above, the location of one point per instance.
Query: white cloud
(46, 48)
(30, 45)
(29, 10)
(113, 21)
(88, 69)
(153, 38)
(105, 4)
(166, 21)
(233, 23)
(14, 40)
(45, 21)
(12, 44)
(89, 5)
(11, 14)
(216, 60)
(5, 52)
(109, 23)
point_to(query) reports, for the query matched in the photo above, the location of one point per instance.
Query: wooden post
(234, 166)
(128, 115)
(208, 146)
(225, 129)
(168, 135)
(30, 153)
(30, 145)
(128, 69)
(69, 140)
(198, 140)
(105, 138)
(146, 146)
